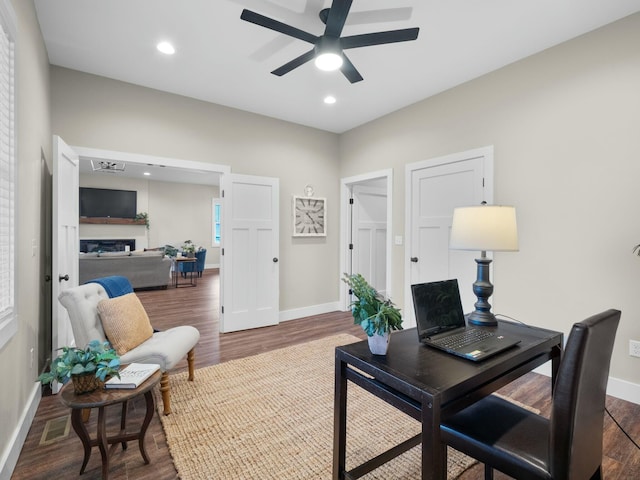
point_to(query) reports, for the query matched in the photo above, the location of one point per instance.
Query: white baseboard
(10, 456)
(624, 390)
(616, 388)
(295, 313)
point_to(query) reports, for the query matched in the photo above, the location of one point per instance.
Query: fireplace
(107, 245)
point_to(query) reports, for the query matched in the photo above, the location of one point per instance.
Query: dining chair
(525, 445)
(197, 267)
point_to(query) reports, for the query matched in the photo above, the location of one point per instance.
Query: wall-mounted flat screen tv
(102, 202)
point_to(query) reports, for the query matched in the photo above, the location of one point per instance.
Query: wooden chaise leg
(165, 389)
(191, 355)
(166, 392)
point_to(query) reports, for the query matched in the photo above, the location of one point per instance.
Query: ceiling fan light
(329, 61)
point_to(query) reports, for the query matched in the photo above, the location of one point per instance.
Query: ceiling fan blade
(384, 15)
(349, 70)
(379, 38)
(270, 23)
(337, 16)
(296, 62)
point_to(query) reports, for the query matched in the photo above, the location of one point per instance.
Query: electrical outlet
(634, 348)
(31, 358)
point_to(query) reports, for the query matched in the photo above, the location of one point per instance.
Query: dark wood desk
(101, 399)
(428, 385)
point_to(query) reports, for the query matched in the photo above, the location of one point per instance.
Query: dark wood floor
(198, 306)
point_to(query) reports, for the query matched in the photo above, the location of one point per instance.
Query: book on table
(132, 376)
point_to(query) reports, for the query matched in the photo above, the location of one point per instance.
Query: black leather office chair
(524, 445)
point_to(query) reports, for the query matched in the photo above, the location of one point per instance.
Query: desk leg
(81, 430)
(103, 444)
(556, 354)
(339, 420)
(148, 396)
(434, 453)
(123, 422)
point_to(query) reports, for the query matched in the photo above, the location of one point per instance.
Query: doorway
(365, 230)
(46, 213)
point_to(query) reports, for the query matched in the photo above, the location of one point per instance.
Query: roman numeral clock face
(309, 217)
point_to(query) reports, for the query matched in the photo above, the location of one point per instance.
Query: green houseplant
(189, 248)
(377, 315)
(84, 366)
(143, 216)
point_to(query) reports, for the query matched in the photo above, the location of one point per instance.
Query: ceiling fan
(328, 48)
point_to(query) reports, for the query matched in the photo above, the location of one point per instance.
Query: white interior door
(435, 191)
(250, 249)
(64, 243)
(370, 235)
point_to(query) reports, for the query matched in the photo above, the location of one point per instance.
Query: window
(217, 206)
(8, 165)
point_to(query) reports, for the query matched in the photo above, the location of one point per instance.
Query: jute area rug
(270, 416)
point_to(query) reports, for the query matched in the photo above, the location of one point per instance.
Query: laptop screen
(437, 307)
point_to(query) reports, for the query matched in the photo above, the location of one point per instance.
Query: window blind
(8, 320)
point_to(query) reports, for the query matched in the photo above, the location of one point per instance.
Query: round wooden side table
(103, 398)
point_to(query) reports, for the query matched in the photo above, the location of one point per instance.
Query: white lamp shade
(484, 228)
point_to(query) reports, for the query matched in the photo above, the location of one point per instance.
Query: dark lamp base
(483, 289)
(483, 319)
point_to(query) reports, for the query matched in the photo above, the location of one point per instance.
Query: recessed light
(166, 48)
(329, 99)
(146, 174)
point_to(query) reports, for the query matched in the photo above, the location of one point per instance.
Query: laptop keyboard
(462, 339)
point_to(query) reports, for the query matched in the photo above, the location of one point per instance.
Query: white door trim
(485, 152)
(345, 186)
(100, 154)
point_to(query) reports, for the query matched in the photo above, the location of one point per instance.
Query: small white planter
(378, 344)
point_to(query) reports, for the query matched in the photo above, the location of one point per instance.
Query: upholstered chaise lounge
(165, 348)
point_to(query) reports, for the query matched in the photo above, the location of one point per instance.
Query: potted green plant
(88, 368)
(377, 315)
(189, 248)
(143, 216)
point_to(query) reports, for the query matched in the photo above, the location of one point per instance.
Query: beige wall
(177, 212)
(96, 112)
(34, 140)
(564, 125)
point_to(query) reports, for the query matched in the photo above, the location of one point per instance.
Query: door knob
(275, 260)
(414, 259)
(65, 278)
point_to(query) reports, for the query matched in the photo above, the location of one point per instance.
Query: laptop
(441, 323)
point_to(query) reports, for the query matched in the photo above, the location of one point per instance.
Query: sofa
(143, 269)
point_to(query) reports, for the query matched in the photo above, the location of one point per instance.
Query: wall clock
(309, 217)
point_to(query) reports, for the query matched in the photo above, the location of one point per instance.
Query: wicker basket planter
(86, 383)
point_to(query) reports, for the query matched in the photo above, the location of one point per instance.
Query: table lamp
(484, 228)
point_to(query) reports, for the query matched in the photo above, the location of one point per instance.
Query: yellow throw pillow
(125, 322)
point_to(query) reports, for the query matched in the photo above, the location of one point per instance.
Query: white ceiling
(224, 60)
